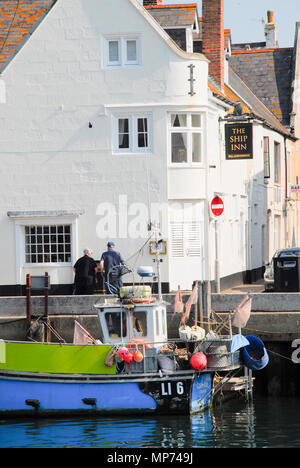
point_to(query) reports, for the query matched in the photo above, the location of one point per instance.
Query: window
(266, 157)
(186, 139)
(132, 134)
(160, 319)
(114, 52)
(45, 238)
(139, 324)
(131, 51)
(121, 51)
(48, 244)
(116, 324)
(277, 165)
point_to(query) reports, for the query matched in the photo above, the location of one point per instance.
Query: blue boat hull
(36, 395)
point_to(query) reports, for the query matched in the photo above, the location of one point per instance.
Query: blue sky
(245, 18)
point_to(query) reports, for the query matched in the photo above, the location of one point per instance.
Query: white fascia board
(148, 17)
(218, 101)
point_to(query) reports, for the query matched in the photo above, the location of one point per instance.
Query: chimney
(152, 2)
(213, 38)
(270, 31)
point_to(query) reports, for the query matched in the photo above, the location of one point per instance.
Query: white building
(107, 125)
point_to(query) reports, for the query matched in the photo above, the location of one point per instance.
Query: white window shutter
(177, 239)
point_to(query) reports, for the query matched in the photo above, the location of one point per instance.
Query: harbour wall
(275, 318)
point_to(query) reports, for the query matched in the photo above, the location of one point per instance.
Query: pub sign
(238, 139)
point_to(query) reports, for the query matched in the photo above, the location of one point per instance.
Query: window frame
(123, 61)
(277, 163)
(23, 219)
(187, 131)
(133, 132)
(43, 253)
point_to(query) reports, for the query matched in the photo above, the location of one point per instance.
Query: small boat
(135, 369)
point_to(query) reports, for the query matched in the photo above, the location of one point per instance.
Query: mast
(157, 240)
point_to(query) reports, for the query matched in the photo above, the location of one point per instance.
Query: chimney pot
(152, 2)
(270, 31)
(270, 16)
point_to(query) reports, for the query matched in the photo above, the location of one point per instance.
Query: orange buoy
(138, 356)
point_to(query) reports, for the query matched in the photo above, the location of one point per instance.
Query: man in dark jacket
(85, 269)
(110, 264)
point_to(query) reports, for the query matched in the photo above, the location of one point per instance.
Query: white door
(186, 239)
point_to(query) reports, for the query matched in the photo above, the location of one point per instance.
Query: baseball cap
(110, 244)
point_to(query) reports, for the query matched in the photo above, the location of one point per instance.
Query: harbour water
(263, 423)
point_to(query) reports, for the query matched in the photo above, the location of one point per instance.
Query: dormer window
(121, 51)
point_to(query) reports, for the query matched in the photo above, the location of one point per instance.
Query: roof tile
(18, 18)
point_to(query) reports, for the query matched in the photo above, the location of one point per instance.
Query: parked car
(269, 272)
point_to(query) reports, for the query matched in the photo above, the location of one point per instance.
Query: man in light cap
(110, 266)
(85, 269)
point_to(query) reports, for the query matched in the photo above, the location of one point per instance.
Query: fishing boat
(135, 368)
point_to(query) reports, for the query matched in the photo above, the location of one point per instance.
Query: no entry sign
(217, 206)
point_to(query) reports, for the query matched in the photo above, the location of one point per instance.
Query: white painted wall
(51, 159)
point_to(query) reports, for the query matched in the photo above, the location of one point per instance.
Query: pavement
(257, 287)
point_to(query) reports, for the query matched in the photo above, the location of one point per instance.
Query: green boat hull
(55, 358)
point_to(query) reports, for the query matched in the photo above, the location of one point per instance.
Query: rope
(141, 248)
(55, 333)
(266, 332)
(12, 321)
(280, 355)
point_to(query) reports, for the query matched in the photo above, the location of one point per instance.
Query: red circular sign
(217, 206)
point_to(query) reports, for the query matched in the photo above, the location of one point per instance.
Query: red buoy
(199, 361)
(122, 352)
(128, 357)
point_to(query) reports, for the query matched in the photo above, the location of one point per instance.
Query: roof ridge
(174, 5)
(255, 51)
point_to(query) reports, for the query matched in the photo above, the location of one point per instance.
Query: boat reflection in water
(163, 432)
(266, 422)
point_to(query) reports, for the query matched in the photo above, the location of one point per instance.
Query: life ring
(137, 341)
(143, 300)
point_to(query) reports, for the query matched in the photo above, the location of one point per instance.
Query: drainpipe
(249, 230)
(285, 211)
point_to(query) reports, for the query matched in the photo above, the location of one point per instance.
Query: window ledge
(46, 265)
(40, 214)
(186, 166)
(133, 153)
